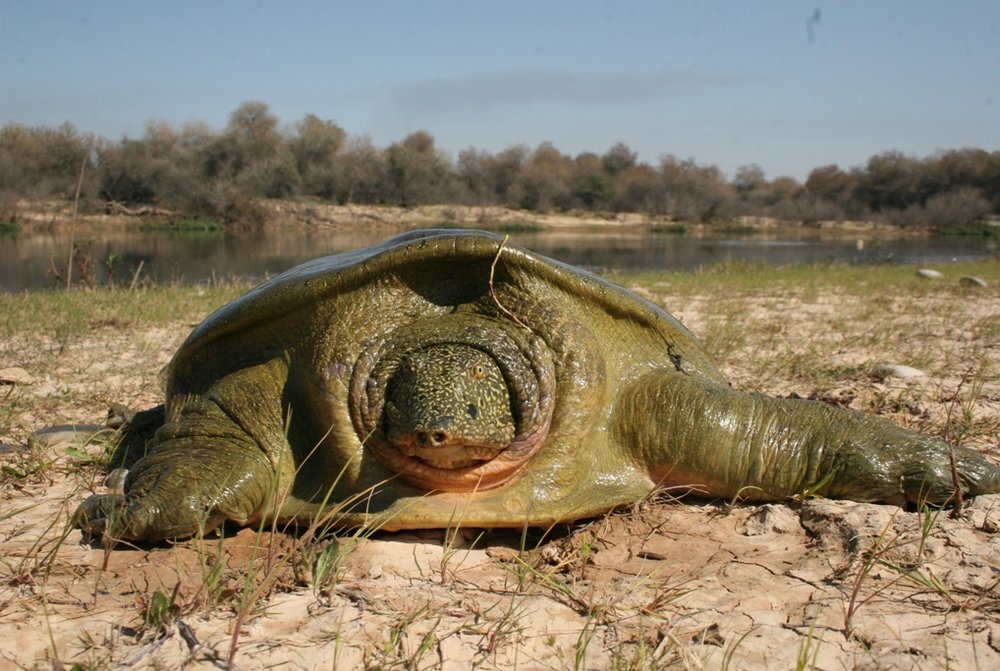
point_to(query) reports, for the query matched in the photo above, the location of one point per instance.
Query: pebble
(972, 281)
(15, 376)
(898, 370)
(928, 274)
(116, 480)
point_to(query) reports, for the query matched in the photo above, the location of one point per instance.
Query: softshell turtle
(446, 378)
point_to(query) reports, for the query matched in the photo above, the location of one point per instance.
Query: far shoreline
(285, 215)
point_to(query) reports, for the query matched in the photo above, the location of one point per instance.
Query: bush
(959, 209)
(952, 212)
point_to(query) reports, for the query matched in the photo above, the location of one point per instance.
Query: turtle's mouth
(460, 466)
(451, 455)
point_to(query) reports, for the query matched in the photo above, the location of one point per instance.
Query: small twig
(149, 648)
(135, 275)
(956, 512)
(187, 633)
(493, 293)
(72, 225)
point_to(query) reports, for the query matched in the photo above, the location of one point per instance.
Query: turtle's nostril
(435, 439)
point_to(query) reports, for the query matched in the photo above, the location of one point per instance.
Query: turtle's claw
(91, 516)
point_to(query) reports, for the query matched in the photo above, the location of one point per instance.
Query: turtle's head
(448, 405)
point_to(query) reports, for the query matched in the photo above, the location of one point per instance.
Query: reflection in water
(25, 260)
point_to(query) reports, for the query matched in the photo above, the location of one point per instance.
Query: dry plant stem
(956, 512)
(493, 293)
(868, 563)
(320, 523)
(135, 276)
(72, 225)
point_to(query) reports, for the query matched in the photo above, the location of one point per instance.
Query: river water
(27, 260)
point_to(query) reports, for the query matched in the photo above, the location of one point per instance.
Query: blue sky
(727, 83)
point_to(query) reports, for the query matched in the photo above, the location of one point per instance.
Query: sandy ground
(663, 584)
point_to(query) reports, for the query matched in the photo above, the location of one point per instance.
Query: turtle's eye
(477, 371)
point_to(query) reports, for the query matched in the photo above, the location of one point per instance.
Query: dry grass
(810, 584)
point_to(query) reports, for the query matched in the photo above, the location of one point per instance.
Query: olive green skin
(275, 406)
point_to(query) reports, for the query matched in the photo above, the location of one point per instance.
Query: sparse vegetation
(735, 229)
(671, 229)
(524, 226)
(188, 226)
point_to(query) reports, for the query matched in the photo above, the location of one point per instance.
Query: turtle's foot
(945, 473)
(114, 517)
(179, 493)
(117, 517)
(91, 516)
(896, 466)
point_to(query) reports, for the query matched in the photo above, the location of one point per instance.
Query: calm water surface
(26, 259)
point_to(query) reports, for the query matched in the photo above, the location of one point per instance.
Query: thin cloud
(490, 90)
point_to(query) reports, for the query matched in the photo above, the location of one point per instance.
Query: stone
(972, 281)
(15, 375)
(898, 371)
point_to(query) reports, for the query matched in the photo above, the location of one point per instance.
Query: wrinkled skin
(344, 390)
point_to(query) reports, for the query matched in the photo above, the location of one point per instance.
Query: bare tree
(314, 149)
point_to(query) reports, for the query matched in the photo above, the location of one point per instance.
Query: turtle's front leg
(723, 442)
(203, 469)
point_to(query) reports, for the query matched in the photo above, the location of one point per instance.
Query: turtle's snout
(433, 438)
(436, 434)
